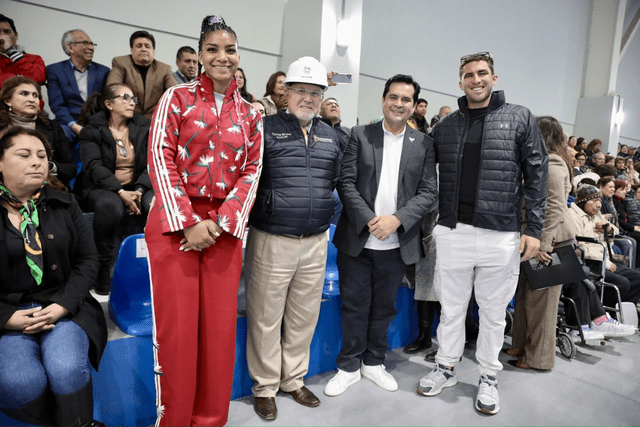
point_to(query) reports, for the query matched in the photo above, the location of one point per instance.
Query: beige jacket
(585, 226)
(159, 78)
(556, 228)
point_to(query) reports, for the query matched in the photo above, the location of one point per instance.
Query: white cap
(307, 70)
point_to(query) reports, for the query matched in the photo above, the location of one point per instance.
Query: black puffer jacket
(632, 206)
(295, 194)
(513, 164)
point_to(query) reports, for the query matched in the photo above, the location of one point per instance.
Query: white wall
(539, 48)
(628, 88)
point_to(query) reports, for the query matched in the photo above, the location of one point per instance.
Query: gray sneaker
(433, 383)
(488, 399)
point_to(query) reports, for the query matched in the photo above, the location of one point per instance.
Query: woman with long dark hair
(20, 106)
(205, 159)
(534, 324)
(274, 98)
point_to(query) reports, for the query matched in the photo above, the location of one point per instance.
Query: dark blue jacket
(295, 194)
(64, 97)
(514, 164)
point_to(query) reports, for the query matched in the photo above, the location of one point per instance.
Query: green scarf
(29, 230)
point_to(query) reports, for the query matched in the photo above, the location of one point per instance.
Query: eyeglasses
(86, 43)
(485, 54)
(315, 94)
(127, 98)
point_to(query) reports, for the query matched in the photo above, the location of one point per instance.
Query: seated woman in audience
(51, 327)
(631, 229)
(607, 189)
(20, 106)
(589, 222)
(581, 144)
(242, 86)
(593, 147)
(274, 98)
(632, 174)
(115, 181)
(535, 317)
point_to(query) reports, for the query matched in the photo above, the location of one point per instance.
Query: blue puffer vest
(295, 194)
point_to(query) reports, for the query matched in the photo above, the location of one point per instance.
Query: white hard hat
(307, 70)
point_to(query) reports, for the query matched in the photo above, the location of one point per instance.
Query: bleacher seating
(130, 299)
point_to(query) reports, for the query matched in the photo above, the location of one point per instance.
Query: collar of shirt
(389, 135)
(74, 68)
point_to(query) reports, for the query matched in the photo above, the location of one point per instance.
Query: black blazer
(70, 269)
(98, 154)
(358, 186)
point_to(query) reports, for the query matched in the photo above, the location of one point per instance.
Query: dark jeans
(58, 358)
(368, 288)
(109, 210)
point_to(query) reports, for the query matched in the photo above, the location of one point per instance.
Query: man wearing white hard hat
(287, 245)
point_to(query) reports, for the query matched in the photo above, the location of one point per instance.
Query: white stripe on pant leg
(496, 281)
(157, 369)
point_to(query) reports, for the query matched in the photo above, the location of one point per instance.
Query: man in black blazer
(387, 184)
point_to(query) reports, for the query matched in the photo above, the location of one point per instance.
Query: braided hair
(210, 24)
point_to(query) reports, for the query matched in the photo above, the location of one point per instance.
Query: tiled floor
(601, 386)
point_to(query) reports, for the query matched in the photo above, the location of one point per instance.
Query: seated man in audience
(330, 113)
(147, 77)
(187, 63)
(72, 81)
(13, 59)
(444, 111)
(597, 159)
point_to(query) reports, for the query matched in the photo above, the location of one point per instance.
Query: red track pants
(194, 296)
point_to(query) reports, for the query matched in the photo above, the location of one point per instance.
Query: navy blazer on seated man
(64, 97)
(358, 186)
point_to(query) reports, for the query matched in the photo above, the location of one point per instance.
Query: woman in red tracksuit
(205, 159)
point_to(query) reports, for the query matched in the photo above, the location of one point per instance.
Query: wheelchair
(595, 282)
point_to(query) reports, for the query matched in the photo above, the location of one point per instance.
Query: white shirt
(387, 196)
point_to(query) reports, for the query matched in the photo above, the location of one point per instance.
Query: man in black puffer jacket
(287, 245)
(491, 155)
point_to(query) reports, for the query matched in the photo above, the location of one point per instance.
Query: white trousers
(485, 260)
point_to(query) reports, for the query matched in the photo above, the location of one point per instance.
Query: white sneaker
(488, 399)
(439, 378)
(379, 375)
(612, 328)
(589, 334)
(341, 382)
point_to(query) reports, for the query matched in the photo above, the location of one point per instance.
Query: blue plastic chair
(331, 279)
(130, 299)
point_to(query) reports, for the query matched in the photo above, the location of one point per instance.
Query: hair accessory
(215, 19)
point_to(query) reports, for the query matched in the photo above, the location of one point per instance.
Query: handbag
(564, 267)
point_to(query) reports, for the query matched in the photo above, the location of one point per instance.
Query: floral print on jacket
(197, 151)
